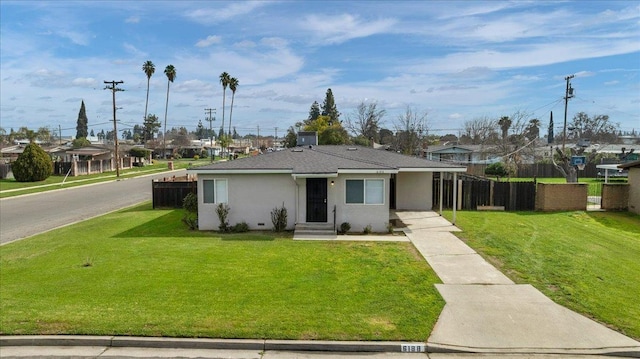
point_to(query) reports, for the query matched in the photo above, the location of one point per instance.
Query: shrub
(32, 165)
(367, 229)
(496, 169)
(196, 157)
(389, 227)
(190, 206)
(139, 152)
(240, 227)
(222, 210)
(279, 218)
(345, 227)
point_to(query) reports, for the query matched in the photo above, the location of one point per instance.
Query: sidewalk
(485, 312)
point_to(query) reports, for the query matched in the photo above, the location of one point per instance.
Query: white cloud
(132, 20)
(84, 82)
(210, 40)
(338, 29)
(213, 15)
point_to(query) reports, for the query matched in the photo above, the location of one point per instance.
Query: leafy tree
(365, 121)
(291, 139)
(532, 131)
(314, 112)
(44, 135)
(200, 131)
(149, 68)
(170, 71)
(505, 123)
(32, 165)
(233, 86)
(361, 141)
(82, 123)
(598, 129)
(139, 152)
(411, 128)
(81, 142)
(496, 169)
(329, 107)
(329, 133)
(386, 136)
(151, 126)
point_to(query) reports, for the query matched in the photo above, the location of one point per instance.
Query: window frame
(364, 191)
(216, 194)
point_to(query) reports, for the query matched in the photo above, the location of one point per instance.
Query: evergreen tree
(550, 133)
(32, 165)
(200, 131)
(82, 124)
(314, 112)
(329, 107)
(92, 134)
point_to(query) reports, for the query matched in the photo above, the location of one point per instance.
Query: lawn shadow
(167, 225)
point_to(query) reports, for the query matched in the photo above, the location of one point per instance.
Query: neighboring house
(634, 184)
(87, 153)
(317, 184)
(461, 154)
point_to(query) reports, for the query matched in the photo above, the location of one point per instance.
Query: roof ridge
(352, 158)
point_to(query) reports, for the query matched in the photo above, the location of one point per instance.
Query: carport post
(441, 190)
(455, 196)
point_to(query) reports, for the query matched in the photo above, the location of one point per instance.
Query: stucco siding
(413, 191)
(251, 199)
(359, 215)
(634, 190)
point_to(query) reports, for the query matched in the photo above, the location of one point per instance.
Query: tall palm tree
(149, 68)
(233, 85)
(224, 80)
(170, 71)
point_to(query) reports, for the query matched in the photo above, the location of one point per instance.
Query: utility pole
(276, 139)
(59, 135)
(111, 85)
(259, 147)
(568, 93)
(210, 119)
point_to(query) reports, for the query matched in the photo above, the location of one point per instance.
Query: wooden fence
(169, 193)
(475, 192)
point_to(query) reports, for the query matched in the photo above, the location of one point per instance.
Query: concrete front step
(319, 229)
(316, 233)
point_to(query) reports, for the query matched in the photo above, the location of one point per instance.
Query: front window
(215, 191)
(365, 191)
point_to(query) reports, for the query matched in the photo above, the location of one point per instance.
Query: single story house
(317, 184)
(633, 179)
(461, 154)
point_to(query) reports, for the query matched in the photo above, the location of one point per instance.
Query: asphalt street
(25, 216)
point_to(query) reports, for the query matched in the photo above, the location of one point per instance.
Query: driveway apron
(485, 312)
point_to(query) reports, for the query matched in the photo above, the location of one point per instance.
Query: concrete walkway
(486, 312)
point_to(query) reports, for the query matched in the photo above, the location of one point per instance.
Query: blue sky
(455, 60)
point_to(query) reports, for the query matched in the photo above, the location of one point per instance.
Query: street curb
(204, 343)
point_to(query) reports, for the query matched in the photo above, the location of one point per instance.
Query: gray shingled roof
(326, 159)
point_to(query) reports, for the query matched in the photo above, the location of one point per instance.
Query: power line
(114, 89)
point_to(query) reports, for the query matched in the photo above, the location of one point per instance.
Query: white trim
(432, 169)
(215, 191)
(364, 188)
(368, 171)
(239, 171)
(314, 175)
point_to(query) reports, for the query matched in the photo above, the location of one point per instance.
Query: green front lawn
(141, 272)
(586, 261)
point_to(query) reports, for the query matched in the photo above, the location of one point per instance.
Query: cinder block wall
(615, 197)
(561, 197)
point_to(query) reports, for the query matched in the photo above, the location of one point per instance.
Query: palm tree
(224, 80)
(170, 71)
(149, 68)
(233, 85)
